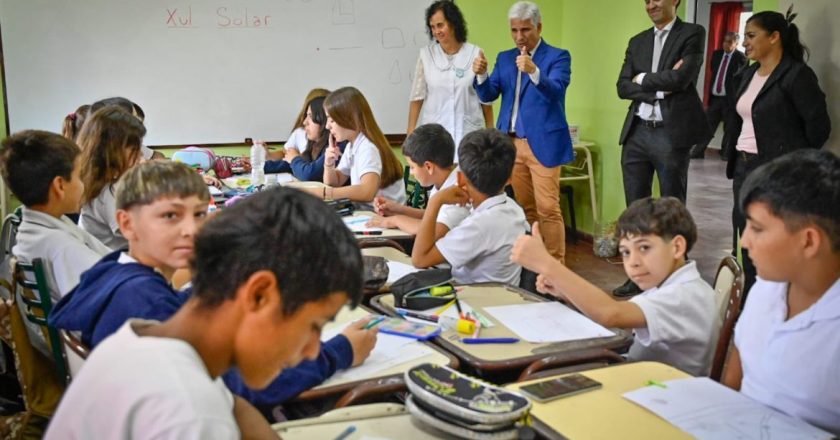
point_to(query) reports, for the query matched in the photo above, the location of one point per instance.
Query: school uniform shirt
(792, 365)
(361, 157)
(144, 387)
(479, 248)
(683, 323)
(99, 218)
(118, 288)
(450, 215)
(297, 139)
(66, 249)
(444, 83)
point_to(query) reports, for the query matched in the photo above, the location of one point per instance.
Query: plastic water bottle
(257, 163)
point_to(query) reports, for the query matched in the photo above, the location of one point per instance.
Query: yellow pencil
(446, 306)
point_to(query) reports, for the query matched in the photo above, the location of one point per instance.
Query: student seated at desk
(428, 150)
(786, 352)
(478, 248)
(367, 161)
(308, 163)
(252, 309)
(110, 141)
(675, 319)
(161, 205)
(42, 171)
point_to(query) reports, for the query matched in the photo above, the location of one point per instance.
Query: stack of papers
(547, 322)
(709, 410)
(397, 270)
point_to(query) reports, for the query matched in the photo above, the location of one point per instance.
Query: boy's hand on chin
(452, 195)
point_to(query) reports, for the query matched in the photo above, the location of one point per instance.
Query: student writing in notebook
(478, 248)
(428, 151)
(786, 352)
(252, 309)
(675, 319)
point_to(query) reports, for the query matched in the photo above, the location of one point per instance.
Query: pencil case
(375, 272)
(414, 291)
(343, 207)
(464, 406)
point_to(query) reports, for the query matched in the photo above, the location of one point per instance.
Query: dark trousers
(717, 112)
(744, 165)
(648, 150)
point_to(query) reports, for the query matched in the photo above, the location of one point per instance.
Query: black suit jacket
(737, 61)
(788, 114)
(682, 109)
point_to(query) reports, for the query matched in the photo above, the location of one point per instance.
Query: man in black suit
(726, 62)
(666, 116)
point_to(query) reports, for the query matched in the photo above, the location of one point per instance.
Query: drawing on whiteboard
(420, 39)
(395, 75)
(392, 38)
(343, 12)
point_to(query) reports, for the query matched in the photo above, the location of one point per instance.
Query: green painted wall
(596, 33)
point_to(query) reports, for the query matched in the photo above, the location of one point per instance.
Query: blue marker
(346, 433)
(489, 340)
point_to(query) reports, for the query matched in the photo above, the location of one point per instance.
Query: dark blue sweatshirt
(303, 169)
(111, 292)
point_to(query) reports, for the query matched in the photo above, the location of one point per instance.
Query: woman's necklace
(450, 60)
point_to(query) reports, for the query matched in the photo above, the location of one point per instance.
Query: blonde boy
(675, 319)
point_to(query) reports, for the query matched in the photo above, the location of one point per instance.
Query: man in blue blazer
(535, 118)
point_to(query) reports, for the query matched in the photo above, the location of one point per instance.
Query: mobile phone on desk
(551, 389)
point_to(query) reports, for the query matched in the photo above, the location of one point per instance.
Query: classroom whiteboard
(207, 71)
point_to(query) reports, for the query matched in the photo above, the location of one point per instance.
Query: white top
(297, 140)
(479, 248)
(66, 249)
(792, 365)
(683, 323)
(99, 218)
(444, 83)
(450, 215)
(746, 140)
(361, 157)
(144, 388)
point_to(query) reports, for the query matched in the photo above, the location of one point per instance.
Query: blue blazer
(542, 107)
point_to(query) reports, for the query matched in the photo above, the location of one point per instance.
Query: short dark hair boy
(486, 158)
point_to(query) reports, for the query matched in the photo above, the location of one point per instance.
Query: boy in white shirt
(675, 319)
(786, 352)
(42, 170)
(478, 248)
(428, 150)
(251, 308)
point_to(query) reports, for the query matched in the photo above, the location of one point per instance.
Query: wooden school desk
(504, 358)
(379, 420)
(604, 413)
(334, 386)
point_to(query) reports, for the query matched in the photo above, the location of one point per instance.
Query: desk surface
(384, 421)
(603, 413)
(391, 233)
(389, 254)
(493, 357)
(334, 386)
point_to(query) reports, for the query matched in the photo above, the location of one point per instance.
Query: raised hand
(529, 251)
(524, 62)
(480, 64)
(332, 154)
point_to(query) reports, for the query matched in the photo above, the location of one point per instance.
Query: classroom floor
(710, 203)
